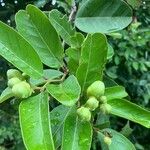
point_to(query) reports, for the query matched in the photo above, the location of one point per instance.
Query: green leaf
(115, 92)
(35, 26)
(62, 25)
(134, 3)
(93, 59)
(48, 74)
(110, 52)
(19, 52)
(73, 59)
(35, 124)
(103, 16)
(77, 135)
(119, 142)
(67, 93)
(130, 111)
(6, 94)
(58, 117)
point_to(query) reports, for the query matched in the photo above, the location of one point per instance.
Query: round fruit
(96, 89)
(103, 99)
(107, 140)
(13, 81)
(105, 108)
(84, 114)
(11, 73)
(22, 90)
(92, 103)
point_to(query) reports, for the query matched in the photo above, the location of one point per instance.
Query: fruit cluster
(95, 94)
(17, 82)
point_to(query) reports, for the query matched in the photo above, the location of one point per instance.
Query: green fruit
(11, 73)
(107, 140)
(92, 103)
(22, 90)
(84, 114)
(25, 76)
(103, 99)
(105, 108)
(13, 81)
(96, 89)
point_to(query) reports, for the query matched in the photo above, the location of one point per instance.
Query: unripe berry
(92, 103)
(84, 114)
(22, 90)
(107, 140)
(105, 108)
(103, 99)
(13, 81)
(96, 89)
(11, 73)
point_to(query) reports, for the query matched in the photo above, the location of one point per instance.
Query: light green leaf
(115, 92)
(130, 111)
(19, 52)
(103, 16)
(134, 3)
(93, 59)
(58, 117)
(110, 52)
(48, 74)
(62, 25)
(6, 94)
(67, 93)
(77, 135)
(34, 25)
(35, 124)
(73, 59)
(119, 142)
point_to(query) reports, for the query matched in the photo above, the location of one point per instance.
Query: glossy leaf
(19, 52)
(103, 16)
(110, 52)
(62, 25)
(93, 59)
(130, 111)
(115, 92)
(35, 124)
(42, 37)
(6, 94)
(77, 135)
(48, 74)
(119, 142)
(67, 93)
(58, 117)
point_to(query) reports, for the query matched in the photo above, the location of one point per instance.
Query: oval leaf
(19, 52)
(92, 60)
(34, 25)
(130, 111)
(67, 93)
(77, 135)
(35, 124)
(103, 16)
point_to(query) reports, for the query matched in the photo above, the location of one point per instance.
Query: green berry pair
(16, 81)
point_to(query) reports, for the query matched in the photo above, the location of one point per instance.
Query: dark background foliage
(129, 66)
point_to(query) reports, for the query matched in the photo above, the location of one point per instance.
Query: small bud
(25, 76)
(84, 114)
(11, 73)
(103, 99)
(13, 81)
(22, 90)
(107, 140)
(92, 103)
(105, 108)
(96, 89)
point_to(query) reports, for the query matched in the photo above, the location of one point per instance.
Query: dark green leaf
(93, 59)
(35, 124)
(19, 52)
(67, 93)
(77, 135)
(130, 111)
(103, 16)
(34, 25)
